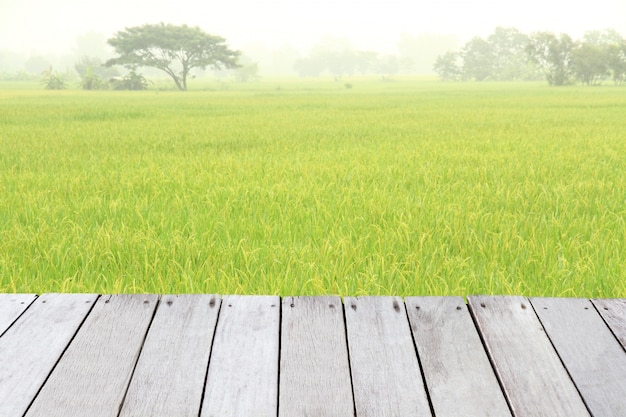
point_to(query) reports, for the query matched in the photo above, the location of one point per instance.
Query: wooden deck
(261, 356)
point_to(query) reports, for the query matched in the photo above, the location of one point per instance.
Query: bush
(52, 80)
(91, 81)
(131, 81)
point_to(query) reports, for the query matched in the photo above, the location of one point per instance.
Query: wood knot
(396, 306)
(353, 307)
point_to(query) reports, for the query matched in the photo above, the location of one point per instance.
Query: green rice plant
(407, 187)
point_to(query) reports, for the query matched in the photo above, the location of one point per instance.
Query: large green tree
(176, 50)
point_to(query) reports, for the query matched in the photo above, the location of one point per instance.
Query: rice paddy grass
(284, 187)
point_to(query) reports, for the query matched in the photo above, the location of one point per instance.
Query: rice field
(285, 187)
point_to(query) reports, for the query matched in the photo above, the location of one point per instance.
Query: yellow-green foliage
(403, 187)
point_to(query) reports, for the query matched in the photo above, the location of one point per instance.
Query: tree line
(510, 55)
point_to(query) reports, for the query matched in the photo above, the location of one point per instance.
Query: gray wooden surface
(460, 378)
(386, 376)
(11, 306)
(170, 374)
(258, 356)
(243, 371)
(32, 346)
(613, 311)
(531, 373)
(92, 376)
(593, 357)
(314, 367)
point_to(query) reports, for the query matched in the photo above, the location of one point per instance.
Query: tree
(478, 59)
(447, 66)
(589, 62)
(617, 62)
(96, 66)
(553, 55)
(247, 70)
(176, 50)
(510, 61)
(613, 51)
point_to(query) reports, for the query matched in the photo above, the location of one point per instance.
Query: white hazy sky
(51, 26)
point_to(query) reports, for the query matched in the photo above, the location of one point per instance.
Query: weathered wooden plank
(459, 377)
(386, 376)
(594, 359)
(530, 372)
(613, 312)
(11, 306)
(243, 370)
(314, 367)
(32, 346)
(92, 376)
(171, 370)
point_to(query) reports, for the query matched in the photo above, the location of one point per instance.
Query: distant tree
(590, 62)
(365, 61)
(617, 62)
(247, 70)
(340, 63)
(85, 63)
(176, 50)
(603, 37)
(388, 65)
(309, 67)
(447, 66)
(509, 58)
(478, 59)
(610, 49)
(553, 55)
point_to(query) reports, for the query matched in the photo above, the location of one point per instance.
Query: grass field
(287, 187)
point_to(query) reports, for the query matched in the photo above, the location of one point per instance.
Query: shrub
(52, 80)
(131, 81)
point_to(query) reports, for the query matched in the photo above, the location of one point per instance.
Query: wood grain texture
(11, 306)
(459, 377)
(171, 370)
(593, 357)
(92, 376)
(386, 376)
(613, 311)
(243, 370)
(314, 367)
(32, 346)
(530, 371)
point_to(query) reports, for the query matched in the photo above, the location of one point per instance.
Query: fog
(279, 29)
